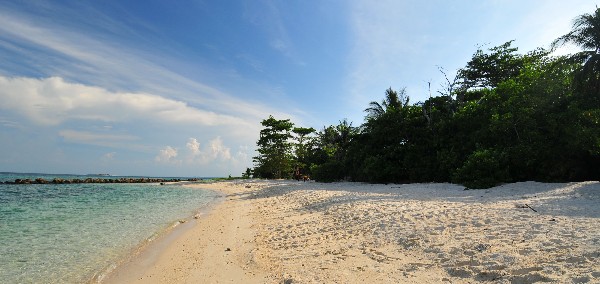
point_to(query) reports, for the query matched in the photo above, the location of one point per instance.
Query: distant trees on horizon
(505, 117)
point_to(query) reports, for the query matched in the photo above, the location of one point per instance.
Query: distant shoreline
(98, 180)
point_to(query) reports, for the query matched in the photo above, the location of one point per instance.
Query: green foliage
(274, 148)
(483, 169)
(330, 171)
(227, 178)
(394, 101)
(333, 148)
(505, 117)
(487, 70)
(303, 146)
(247, 174)
(586, 34)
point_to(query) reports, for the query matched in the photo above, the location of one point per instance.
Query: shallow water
(71, 232)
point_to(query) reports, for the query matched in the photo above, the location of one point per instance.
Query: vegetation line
(504, 117)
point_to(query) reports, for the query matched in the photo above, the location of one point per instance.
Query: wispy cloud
(108, 156)
(72, 72)
(385, 39)
(89, 137)
(116, 65)
(106, 140)
(401, 43)
(53, 101)
(251, 61)
(267, 15)
(9, 123)
(536, 30)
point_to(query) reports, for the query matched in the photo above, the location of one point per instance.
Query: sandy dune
(295, 232)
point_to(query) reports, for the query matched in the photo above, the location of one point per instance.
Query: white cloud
(130, 121)
(217, 153)
(53, 101)
(115, 64)
(167, 155)
(194, 146)
(109, 156)
(215, 150)
(242, 154)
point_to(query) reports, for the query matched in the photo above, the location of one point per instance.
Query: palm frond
(585, 32)
(375, 110)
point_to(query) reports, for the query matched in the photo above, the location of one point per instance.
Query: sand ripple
(434, 233)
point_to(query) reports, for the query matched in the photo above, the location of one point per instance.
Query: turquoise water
(69, 233)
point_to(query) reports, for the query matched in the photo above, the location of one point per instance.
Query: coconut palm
(585, 34)
(393, 101)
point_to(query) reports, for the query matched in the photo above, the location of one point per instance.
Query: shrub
(483, 169)
(328, 172)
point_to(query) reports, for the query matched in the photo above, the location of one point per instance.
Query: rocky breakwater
(98, 180)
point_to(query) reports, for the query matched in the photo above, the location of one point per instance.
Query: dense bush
(483, 169)
(328, 172)
(505, 117)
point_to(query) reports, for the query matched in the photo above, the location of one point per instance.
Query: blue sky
(178, 88)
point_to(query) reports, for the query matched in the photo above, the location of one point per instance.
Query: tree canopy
(274, 149)
(505, 117)
(586, 34)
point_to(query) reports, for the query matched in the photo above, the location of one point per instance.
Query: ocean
(72, 233)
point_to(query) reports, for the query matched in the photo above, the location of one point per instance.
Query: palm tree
(586, 34)
(393, 101)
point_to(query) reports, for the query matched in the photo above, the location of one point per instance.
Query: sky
(179, 88)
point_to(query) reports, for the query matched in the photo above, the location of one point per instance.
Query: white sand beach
(296, 232)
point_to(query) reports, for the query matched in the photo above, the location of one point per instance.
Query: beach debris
(482, 247)
(525, 205)
(227, 249)
(248, 186)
